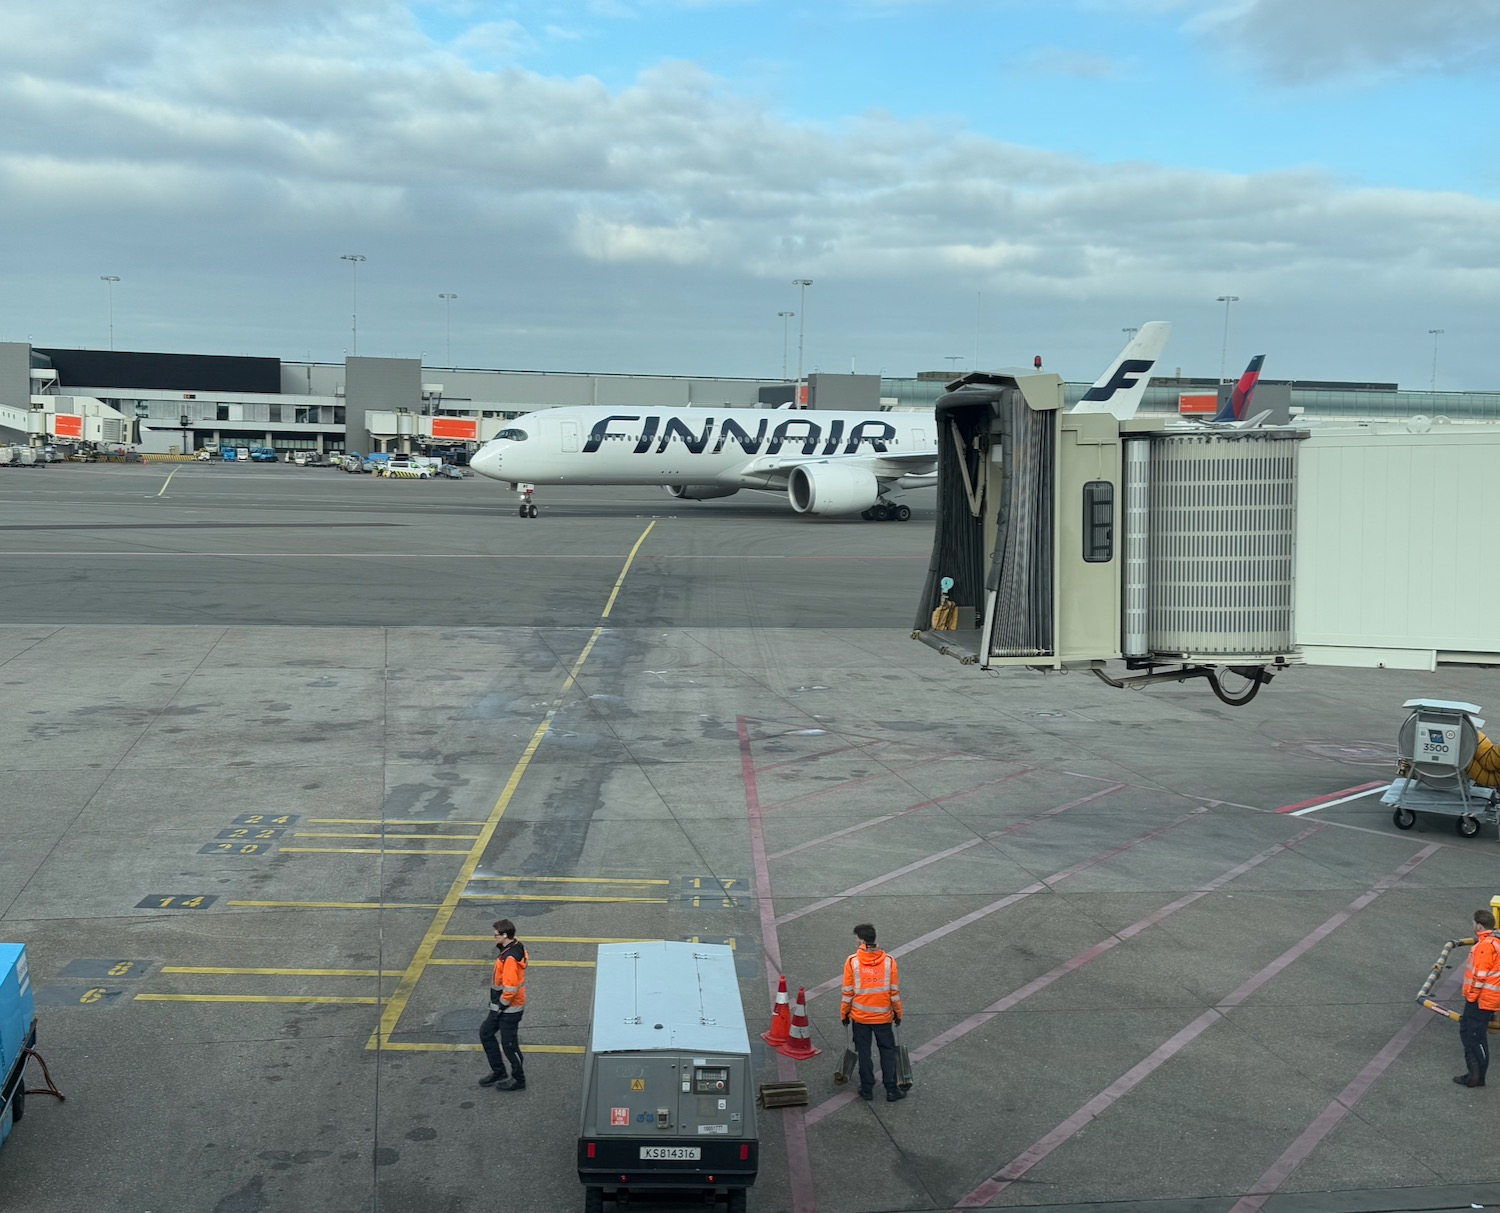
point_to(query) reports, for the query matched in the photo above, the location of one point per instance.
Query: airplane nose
(486, 462)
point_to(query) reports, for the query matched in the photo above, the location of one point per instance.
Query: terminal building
(171, 403)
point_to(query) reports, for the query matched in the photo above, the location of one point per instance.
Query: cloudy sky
(633, 185)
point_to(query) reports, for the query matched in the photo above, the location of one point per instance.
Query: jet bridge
(1075, 539)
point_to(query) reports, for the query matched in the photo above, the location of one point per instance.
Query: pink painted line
(875, 821)
(794, 1125)
(885, 878)
(1041, 886)
(1127, 1082)
(1088, 956)
(854, 783)
(1307, 804)
(791, 762)
(1343, 1103)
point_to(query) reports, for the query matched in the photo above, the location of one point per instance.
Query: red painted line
(982, 840)
(1343, 1103)
(1087, 956)
(1127, 1082)
(794, 1125)
(1307, 804)
(875, 821)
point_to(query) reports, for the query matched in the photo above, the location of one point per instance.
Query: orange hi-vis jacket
(1482, 973)
(872, 987)
(510, 977)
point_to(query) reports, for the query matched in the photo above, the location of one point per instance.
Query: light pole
(354, 259)
(804, 283)
(785, 317)
(1131, 331)
(951, 358)
(110, 280)
(1226, 300)
(1435, 333)
(448, 297)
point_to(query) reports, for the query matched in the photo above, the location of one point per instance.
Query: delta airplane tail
(1237, 404)
(1121, 388)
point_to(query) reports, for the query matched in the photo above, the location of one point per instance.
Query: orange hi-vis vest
(872, 987)
(510, 976)
(1482, 973)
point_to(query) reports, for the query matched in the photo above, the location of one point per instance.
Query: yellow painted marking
(530, 964)
(432, 1046)
(280, 972)
(342, 834)
(170, 474)
(365, 851)
(379, 821)
(620, 580)
(363, 1002)
(340, 905)
(572, 880)
(649, 901)
(394, 1009)
(552, 939)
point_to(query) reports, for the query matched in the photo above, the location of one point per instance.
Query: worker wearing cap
(1481, 999)
(507, 1005)
(872, 1002)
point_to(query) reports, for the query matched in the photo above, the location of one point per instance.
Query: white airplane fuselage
(728, 449)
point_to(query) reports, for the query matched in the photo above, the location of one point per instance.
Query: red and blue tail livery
(1237, 404)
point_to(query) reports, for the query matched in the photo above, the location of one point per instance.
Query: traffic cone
(781, 1019)
(800, 1046)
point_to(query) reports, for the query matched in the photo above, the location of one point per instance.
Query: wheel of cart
(1403, 818)
(593, 1200)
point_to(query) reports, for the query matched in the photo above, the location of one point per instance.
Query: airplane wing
(772, 471)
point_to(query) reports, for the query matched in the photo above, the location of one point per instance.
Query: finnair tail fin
(1120, 389)
(1237, 404)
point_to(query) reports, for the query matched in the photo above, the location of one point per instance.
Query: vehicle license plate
(672, 1153)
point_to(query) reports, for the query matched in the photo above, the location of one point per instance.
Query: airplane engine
(699, 492)
(831, 488)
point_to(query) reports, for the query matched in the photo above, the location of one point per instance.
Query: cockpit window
(514, 435)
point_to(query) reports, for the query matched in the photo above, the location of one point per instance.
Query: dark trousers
(885, 1040)
(1474, 1031)
(507, 1024)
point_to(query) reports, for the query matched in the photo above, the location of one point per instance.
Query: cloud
(1307, 41)
(1071, 64)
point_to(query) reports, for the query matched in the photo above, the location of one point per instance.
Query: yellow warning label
(637, 1084)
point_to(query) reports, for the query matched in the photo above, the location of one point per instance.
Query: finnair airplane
(827, 463)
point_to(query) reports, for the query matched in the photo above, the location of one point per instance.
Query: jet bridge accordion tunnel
(1077, 539)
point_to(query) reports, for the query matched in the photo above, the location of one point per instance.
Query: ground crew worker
(507, 1005)
(872, 1000)
(1481, 999)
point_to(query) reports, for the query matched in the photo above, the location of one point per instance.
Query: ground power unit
(1075, 539)
(17, 1033)
(667, 1097)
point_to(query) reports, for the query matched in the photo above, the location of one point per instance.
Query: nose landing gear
(527, 508)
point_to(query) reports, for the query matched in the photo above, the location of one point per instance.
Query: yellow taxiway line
(550, 939)
(365, 851)
(572, 880)
(649, 901)
(233, 972)
(338, 905)
(383, 821)
(341, 834)
(432, 1046)
(530, 964)
(394, 1009)
(294, 998)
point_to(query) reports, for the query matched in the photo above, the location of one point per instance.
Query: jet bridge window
(514, 435)
(1098, 522)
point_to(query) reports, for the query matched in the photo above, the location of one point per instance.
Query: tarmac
(279, 743)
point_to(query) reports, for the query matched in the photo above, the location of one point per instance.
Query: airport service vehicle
(263, 454)
(667, 1099)
(450, 471)
(404, 469)
(17, 1034)
(825, 462)
(1447, 766)
(204, 455)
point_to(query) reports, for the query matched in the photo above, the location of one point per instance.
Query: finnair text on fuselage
(799, 433)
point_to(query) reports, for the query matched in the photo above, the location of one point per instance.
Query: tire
(738, 1201)
(903, 513)
(881, 512)
(531, 511)
(867, 516)
(18, 1100)
(521, 511)
(1403, 818)
(593, 1200)
(1466, 825)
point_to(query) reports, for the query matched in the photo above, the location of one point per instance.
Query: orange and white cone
(800, 1046)
(781, 1019)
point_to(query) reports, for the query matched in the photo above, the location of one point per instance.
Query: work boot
(490, 1079)
(866, 1095)
(512, 1084)
(892, 1094)
(1471, 1079)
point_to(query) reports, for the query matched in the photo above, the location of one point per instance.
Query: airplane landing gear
(887, 511)
(527, 508)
